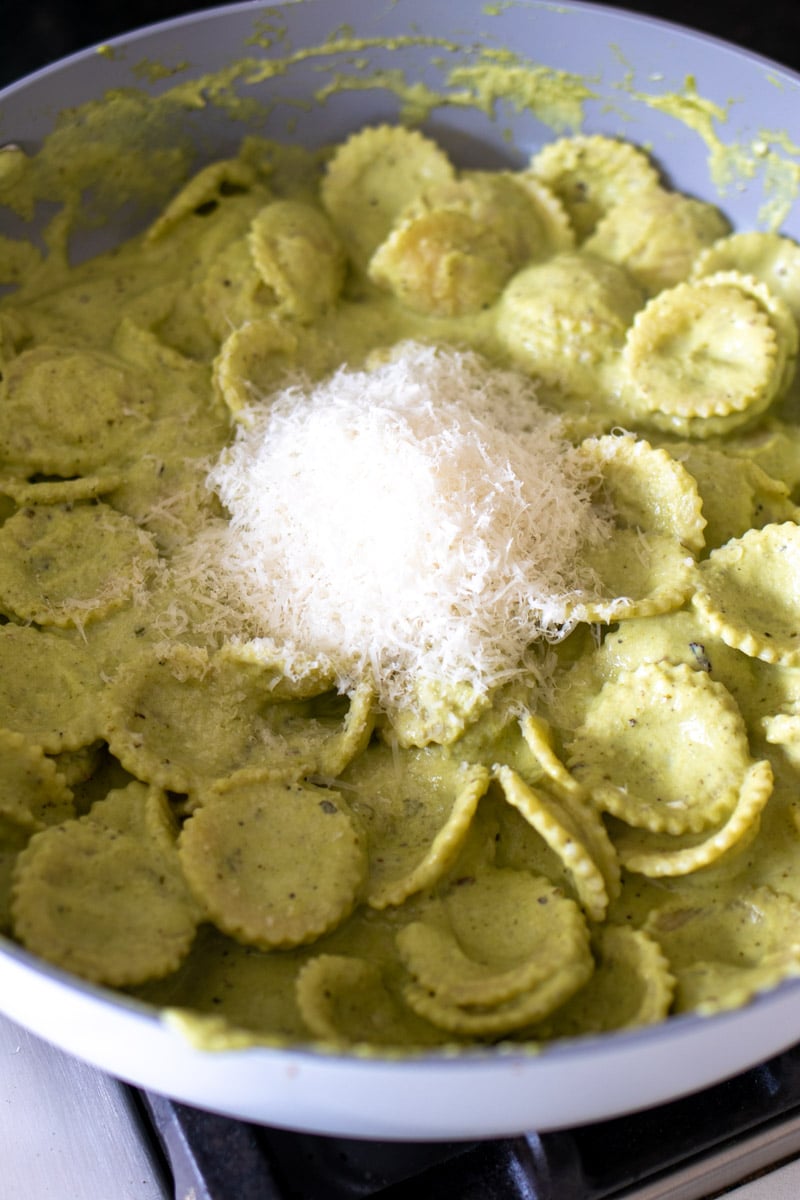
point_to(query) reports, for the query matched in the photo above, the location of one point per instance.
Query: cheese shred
(419, 519)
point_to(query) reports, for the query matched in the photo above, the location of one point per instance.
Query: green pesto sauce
(62, 301)
(492, 78)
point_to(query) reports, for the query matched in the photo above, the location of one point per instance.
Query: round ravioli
(262, 356)
(233, 290)
(203, 193)
(662, 855)
(456, 245)
(32, 792)
(70, 564)
(770, 257)
(679, 637)
(442, 263)
(345, 999)
(274, 864)
(778, 313)
(179, 719)
(329, 730)
(501, 950)
(625, 750)
(574, 831)
(631, 986)
(657, 236)
(564, 321)
(701, 359)
(299, 256)
(49, 689)
(416, 809)
(528, 218)
(591, 173)
(173, 720)
(371, 178)
(648, 489)
(537, 859)
(747, 593)
(253, 361)
(103, 896)
(71, 412)
(736, 493)
(723, 954)
(646, 566)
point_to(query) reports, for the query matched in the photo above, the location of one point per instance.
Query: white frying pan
(627, 63)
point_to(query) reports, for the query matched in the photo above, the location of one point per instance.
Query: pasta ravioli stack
(399, 585)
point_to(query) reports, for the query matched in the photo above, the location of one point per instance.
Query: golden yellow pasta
(252, 360)
(49, 689)
(447, 255)
(181, 721)
(298, 255)
(38, 433)
(658, 855)
(565, 321)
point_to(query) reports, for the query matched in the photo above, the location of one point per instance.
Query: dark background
(40, 31)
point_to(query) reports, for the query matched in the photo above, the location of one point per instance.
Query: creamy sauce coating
(604, 837)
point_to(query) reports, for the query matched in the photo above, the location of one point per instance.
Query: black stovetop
(688, 1147)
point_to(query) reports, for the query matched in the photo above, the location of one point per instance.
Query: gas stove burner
(689, 1149)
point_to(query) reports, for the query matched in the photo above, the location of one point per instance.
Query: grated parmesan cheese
(419, 519)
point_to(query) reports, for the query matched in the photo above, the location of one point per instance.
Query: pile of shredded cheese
(419, 519)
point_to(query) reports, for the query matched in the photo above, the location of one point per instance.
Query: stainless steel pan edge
(630, 62)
